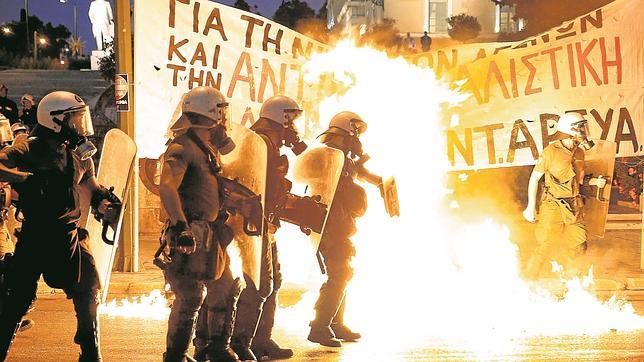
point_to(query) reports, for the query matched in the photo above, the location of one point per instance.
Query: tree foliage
(242, 5)
(290, 12)
(541, 15)
(383, 35)
(16, 41)
(463, 27)
(107, 64)
(322, 12)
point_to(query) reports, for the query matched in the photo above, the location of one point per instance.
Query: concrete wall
(149, 210)
(484, 10)
(409, 15)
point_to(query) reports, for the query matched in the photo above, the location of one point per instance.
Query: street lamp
(38, 40)
(6, 30)
(75, 17)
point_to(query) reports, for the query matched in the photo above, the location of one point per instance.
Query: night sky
(56, 13)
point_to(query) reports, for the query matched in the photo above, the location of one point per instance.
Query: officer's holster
(209, 259)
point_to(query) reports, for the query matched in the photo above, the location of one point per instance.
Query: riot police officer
(561, 216)
(196, 232)
(336, 247)
(257, 306)
(52, 166)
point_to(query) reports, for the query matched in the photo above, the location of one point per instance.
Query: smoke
(439, 262)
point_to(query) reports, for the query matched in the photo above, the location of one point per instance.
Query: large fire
(427, 275)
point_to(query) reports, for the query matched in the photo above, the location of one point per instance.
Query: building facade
(418, 16)
(354, 13)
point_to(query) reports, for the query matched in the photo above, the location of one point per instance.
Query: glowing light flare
(427, 275)
(153, 306)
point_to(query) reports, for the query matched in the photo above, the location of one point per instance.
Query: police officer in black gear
(47, 172)
(252, 338)
(336, 247)
(197, 235)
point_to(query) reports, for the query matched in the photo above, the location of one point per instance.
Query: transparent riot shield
(114, 170)
(247, 164)
(599, 161)
(319, 169)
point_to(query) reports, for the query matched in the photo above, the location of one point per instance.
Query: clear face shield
(291, 135)
(582, 134)
(78, 122)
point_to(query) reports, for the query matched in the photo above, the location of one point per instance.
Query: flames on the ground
(153, 306)
(426, 275)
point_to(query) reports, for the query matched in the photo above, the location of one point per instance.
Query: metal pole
(27, 24)
(124, 64)
(35, 45)
(75, 33)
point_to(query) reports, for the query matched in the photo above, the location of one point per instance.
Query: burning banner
(414, 276)
(592, 65)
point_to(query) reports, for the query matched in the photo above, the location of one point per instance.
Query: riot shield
(319, 169)
(114, 170)
(599, 161)
(247, 165)
(390, 195)
(150, 173)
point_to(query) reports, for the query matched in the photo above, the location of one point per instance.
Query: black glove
(114, 207)
(184, 241)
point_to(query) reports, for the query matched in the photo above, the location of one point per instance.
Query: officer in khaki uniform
(561, 220)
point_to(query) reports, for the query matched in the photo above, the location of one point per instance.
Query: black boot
(326, 307)
(323, 335)
(8, 329)
(87, 329)
(271, 350)
(174, 356)
(263, 344)
(241, 346)
(222, 326)
(201, 335)
(340, 330)
(249, 310)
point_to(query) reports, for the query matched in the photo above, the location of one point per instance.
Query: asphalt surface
(144, 340)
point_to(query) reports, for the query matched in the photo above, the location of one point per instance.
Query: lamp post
(27, 22)
(35, 45)
(38, 41)
(75, 16)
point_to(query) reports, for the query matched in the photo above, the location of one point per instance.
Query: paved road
(143, 340)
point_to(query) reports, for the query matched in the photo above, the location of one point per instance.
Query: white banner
(182, 44)
(592, 64)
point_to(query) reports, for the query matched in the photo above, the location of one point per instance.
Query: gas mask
(291, 135)
(76, 126)
(220, 139)
(292, 140)
(581, 136)
(354, 146)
